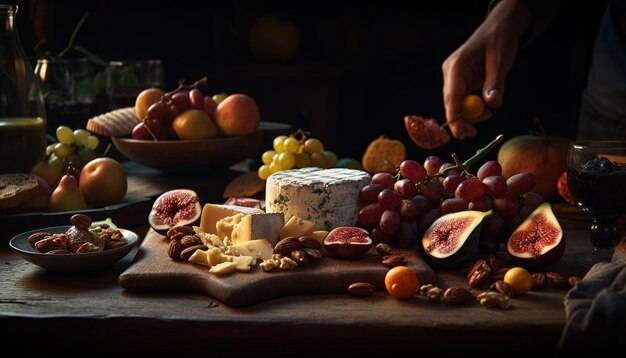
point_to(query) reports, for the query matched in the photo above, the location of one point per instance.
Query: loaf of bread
(22, 191)
(119, 122)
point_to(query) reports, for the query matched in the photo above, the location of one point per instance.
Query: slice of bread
(18, 188)
(116, 123)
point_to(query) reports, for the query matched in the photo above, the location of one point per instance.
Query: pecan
(310, 242)
(457, 295)
(190, 240)
(556, 280)
(572, 280)
(492, 299)
(178, 236)
(503, 288)
(480, 265)
(478, 278)
(58, 252)
(54, 242)
(361, 289)
(81, 221)
(87, 247)
(435, 294)
(393, 260)
(383, 249)
(425, 288)
(494, 262)
(187, 230)
(539, 280)
(174, 250)
(287, 245)
(187, 252)
(313, 253)
(38, 236)
(499, 274)
(114, 244)
(300, 257)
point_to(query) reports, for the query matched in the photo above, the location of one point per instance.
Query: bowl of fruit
(184, 130)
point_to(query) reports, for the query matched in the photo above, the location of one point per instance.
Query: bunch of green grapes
(75, 147)
(290, 152)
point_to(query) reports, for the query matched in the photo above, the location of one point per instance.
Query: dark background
(360, 66)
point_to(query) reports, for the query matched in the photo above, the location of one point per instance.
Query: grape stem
(466, 164)
(182, 86)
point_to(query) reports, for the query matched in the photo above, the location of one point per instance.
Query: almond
(310, 242)
(393, 260)
(361, 289)
(383, 249)
(286, 245)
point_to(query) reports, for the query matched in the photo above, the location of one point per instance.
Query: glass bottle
(22, 113)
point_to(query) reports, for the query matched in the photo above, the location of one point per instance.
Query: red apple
(237, 115)
(103, 182)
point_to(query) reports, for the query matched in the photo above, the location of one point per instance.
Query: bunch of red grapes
(399, 209)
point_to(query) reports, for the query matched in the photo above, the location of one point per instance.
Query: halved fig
(175, 208)
(538, 241)
(452, 240)
(347, 243)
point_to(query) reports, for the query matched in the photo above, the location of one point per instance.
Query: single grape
(370, 214)
(159, 111)
(181, 101)
(413, 171)
(405, 188)
(495, 186)
(482, 203)
(62, 150)
(65, 135)
(56, 164)
(80, 137)
(331, 158)
(493, 225)
(313, 145)
(389, 221)
(432, 164)
(268, 156)
(286, 160)
(432, 191)
(409, 209)
(303, 160)
(490, 168)
(532, 199)
(92, 142)
(506, 206)
(384, 179)
(470, 189)
(451, 182)
(209, 105)
(369, 193)
(218, 98)
(86, 155)
(264, 171)
(388, 199)
(423, 204)
(275, 157)
(445, 166)
(49, 149)
(291, 145)
(277, 143)
(319, 160)
(520, 183)
(274, 167)
(196, 99)
(453, 205)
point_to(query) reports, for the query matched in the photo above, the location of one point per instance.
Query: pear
(67, 196)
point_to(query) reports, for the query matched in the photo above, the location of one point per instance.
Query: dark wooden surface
(77, 310)
(153, 270)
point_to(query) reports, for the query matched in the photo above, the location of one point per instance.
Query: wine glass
(126, 79)
(596, 177)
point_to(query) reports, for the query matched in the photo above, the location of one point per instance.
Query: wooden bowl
(179, 156)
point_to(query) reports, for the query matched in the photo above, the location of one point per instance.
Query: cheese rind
(327, 197)
(258, 226)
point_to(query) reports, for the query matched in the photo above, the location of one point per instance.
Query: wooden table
(48, 312)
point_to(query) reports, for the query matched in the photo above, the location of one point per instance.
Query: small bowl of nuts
(77, 248)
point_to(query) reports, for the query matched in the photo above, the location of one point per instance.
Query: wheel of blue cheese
(328, 197)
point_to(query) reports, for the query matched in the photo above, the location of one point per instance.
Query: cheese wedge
(225, 226)
(261, 249)
(258, 226)
(212, 213)
(296, 227)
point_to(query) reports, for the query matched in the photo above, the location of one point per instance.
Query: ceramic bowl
(75, 263)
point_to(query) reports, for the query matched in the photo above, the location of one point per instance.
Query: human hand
(483, 61)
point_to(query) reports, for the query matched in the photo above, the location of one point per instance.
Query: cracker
(17, 188)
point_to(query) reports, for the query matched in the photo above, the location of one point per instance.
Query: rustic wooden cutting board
(153, 270)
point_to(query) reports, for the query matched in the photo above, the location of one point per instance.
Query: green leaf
(91, 56)
(99, 81)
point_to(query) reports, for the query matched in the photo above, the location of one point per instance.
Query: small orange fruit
(519, 279)
(401, 282)
(472, 107)
(194, 124)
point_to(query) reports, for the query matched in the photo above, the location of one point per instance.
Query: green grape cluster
(73, 147)
(292, 152)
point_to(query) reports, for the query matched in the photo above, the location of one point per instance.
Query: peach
(237, 115)
(103, 182)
